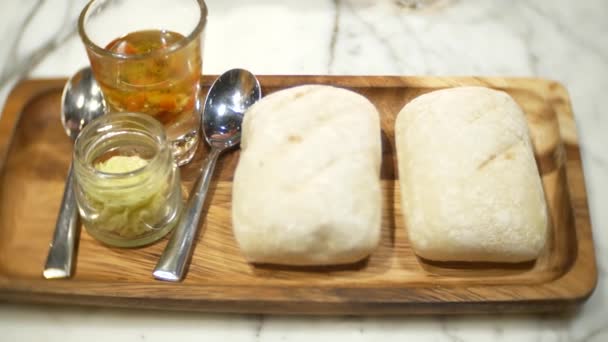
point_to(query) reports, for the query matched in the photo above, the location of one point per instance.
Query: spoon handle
(172, 262)
(61, 249)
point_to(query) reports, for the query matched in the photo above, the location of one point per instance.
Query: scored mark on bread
(296, 96)
(506, 152)
(320, 172)
(303, 92)
(487, 161)
(294, 138)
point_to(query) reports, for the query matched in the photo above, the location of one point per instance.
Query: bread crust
(306, 189)
(470, 187)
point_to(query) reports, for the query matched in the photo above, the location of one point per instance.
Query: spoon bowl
(227, 101)
(81, 102)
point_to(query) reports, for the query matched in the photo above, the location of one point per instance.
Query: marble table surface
(562, 40)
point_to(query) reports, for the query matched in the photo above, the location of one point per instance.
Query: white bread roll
(470, 188)
(307, 186)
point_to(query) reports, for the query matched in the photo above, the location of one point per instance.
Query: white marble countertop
(563, 40)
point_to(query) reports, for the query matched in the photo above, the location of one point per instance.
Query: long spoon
(228, 99)
(81, 102)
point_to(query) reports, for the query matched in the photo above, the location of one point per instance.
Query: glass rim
(147, 123)
(194, 34)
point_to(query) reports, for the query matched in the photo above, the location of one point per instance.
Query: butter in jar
(127, 183)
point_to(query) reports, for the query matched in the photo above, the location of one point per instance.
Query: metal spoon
(228, 99)
(81, 102)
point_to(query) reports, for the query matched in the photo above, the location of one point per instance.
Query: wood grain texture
(34, 157)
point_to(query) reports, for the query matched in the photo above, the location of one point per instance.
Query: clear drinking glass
(150, 63)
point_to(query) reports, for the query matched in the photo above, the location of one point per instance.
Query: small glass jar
(126, 206)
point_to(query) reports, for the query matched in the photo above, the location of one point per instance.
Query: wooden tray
(34, 157)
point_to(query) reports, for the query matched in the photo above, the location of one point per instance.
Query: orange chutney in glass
(152, 78)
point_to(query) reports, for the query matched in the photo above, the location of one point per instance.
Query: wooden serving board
(34, 157)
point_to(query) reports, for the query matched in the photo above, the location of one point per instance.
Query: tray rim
(564, 292)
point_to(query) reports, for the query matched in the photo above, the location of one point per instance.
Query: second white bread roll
(307, 186)
(470, 188)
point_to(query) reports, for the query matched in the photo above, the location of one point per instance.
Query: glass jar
(138, 199)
